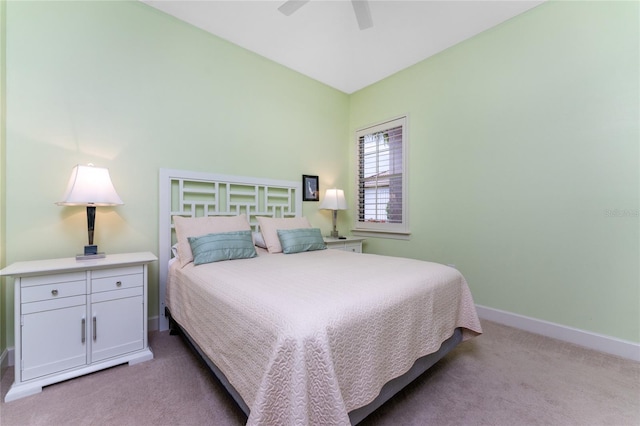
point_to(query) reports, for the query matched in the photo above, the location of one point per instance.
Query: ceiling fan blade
(363, 14)
(290, 6)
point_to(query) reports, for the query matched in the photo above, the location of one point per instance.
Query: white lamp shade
(334, 200)
(90, 185)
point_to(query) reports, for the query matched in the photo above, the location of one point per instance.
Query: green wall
(524, 144)
(124, 86)
(3, 333)
(524, 163)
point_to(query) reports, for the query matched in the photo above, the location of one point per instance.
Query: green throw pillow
(222, 246)
(299, 240)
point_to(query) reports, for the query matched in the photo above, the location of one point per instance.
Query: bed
(308, 336)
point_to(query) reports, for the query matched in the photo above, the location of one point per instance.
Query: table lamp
(334, 200)
(90, 186)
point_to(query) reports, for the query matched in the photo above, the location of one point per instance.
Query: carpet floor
(504, 377)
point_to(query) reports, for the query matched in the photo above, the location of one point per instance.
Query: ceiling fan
(360, 7)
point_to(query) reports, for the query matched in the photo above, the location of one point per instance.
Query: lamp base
(90, 252)
(334, 234)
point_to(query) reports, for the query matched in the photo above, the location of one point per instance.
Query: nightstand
(74, 317)
(353, 244)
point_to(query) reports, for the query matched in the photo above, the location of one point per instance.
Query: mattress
(309, 337)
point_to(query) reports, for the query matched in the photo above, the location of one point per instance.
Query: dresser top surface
(343, 240)
(35, 267)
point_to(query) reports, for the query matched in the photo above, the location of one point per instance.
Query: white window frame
(377, 229)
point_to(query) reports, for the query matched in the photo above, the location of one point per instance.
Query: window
(381, 178)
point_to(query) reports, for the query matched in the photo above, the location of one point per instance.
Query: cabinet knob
(54, 292)
(118, 283)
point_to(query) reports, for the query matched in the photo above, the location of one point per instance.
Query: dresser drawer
(52, 279)
(116, 282)
(352, 244)
(58, 290)
(53, 304)
(353, 247)
(114, 272)
(104, 296)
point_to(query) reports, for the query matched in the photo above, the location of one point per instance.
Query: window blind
(380, 176)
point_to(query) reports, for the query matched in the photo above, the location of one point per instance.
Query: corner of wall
(3, 104)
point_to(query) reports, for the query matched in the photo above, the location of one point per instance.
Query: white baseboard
(598, 342)
(152, 324)
(5, 360)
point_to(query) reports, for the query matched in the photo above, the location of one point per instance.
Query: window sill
(381, 234)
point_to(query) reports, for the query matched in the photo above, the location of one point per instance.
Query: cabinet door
(116, 326)
(53, 341)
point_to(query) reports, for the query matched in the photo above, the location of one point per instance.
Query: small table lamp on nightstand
(334, 200)
(90, 186)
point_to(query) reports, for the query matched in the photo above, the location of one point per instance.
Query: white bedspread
(305, 338)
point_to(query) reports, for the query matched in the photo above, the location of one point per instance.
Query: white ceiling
(322, 39)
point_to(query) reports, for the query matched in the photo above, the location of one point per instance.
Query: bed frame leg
(173, 330)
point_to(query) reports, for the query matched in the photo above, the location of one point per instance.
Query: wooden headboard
(196, 194)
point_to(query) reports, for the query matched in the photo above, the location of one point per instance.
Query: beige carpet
(504, 377)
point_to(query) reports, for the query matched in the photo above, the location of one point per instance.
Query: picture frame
(310, 188)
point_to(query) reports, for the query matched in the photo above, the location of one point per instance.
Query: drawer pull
(118, 283)
(54, 292)
(95, 329)
(83, 330)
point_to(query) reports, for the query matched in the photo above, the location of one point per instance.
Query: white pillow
(197, 226)
(258, 240)
(269, 227)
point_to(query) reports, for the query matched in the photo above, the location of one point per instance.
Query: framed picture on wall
(310, 190)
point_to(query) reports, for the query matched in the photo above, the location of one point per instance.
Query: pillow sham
(222, 246)
(299, 240)
(269, 227)
(197, 226)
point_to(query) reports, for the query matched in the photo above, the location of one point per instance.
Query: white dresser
(353, 244)
(74, 317)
